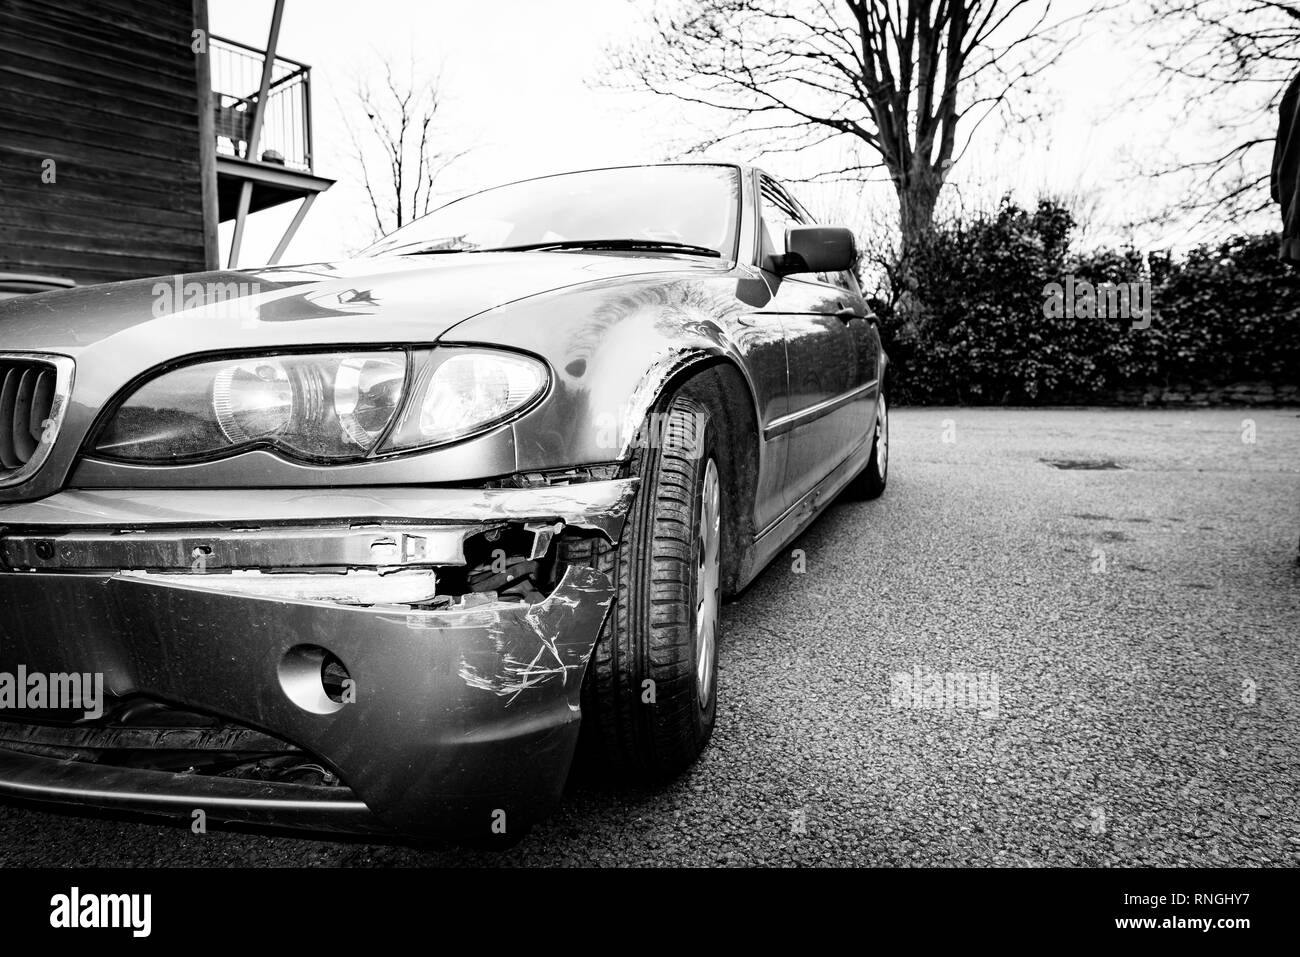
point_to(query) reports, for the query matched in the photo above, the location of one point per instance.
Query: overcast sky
(521, 79)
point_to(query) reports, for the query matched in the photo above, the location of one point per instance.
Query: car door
(829, 355)
(861, 402)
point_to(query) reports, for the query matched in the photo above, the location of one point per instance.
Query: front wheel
(650, 694)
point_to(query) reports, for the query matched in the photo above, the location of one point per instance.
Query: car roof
(743, 167)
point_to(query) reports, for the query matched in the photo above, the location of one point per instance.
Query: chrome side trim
(790, 422)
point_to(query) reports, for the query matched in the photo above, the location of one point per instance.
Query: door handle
(846, 314)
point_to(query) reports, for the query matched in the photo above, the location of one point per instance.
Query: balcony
(260, 161)
(286, 128)
(278, 167)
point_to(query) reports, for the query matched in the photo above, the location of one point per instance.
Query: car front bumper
(461, 720)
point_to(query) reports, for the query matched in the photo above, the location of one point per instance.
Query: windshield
(692, 206)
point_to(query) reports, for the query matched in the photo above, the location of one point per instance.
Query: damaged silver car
(382, 543)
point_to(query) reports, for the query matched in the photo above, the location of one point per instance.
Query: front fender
(613, 348)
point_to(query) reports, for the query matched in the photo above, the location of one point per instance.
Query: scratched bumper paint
(459, 716)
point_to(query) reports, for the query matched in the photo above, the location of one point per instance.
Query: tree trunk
(918, 193)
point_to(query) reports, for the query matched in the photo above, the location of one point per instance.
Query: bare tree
(398, 148)
(909, 80)
(1232, 59)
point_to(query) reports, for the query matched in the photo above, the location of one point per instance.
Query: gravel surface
(1139, 626)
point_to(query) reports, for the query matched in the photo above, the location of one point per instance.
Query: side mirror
(818, 249)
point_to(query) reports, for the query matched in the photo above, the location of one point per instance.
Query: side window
(844, 280)
(778, 215)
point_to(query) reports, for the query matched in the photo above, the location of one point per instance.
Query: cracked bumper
(458, 714)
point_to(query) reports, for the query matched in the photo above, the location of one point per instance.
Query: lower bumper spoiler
(31, 777)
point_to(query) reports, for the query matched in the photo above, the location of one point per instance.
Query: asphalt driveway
(1001, 662)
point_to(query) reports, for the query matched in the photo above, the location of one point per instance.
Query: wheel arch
(718, 383)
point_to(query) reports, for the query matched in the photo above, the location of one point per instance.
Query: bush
(971, 326)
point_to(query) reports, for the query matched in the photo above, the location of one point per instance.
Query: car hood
(393, 299)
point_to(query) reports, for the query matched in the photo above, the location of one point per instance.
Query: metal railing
(285, 139)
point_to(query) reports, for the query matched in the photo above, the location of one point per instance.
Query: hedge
(981, 322)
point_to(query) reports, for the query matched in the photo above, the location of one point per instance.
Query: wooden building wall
(107, 90)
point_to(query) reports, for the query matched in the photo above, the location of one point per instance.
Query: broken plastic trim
(470, 549)
(559, 477)
(412, 587)
(420, 566)
(528, 647)
(600, 506)
(362, 546)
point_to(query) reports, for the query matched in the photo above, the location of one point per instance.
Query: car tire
(649, 697)
(871, 481)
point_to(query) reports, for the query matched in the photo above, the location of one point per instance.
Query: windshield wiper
(613, 244)
(427, 250)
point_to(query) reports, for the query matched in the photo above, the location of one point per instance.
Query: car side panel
(824, 364)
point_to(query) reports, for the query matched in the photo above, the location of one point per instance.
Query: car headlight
(334, 407)
(460, 392)
(253, 400)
